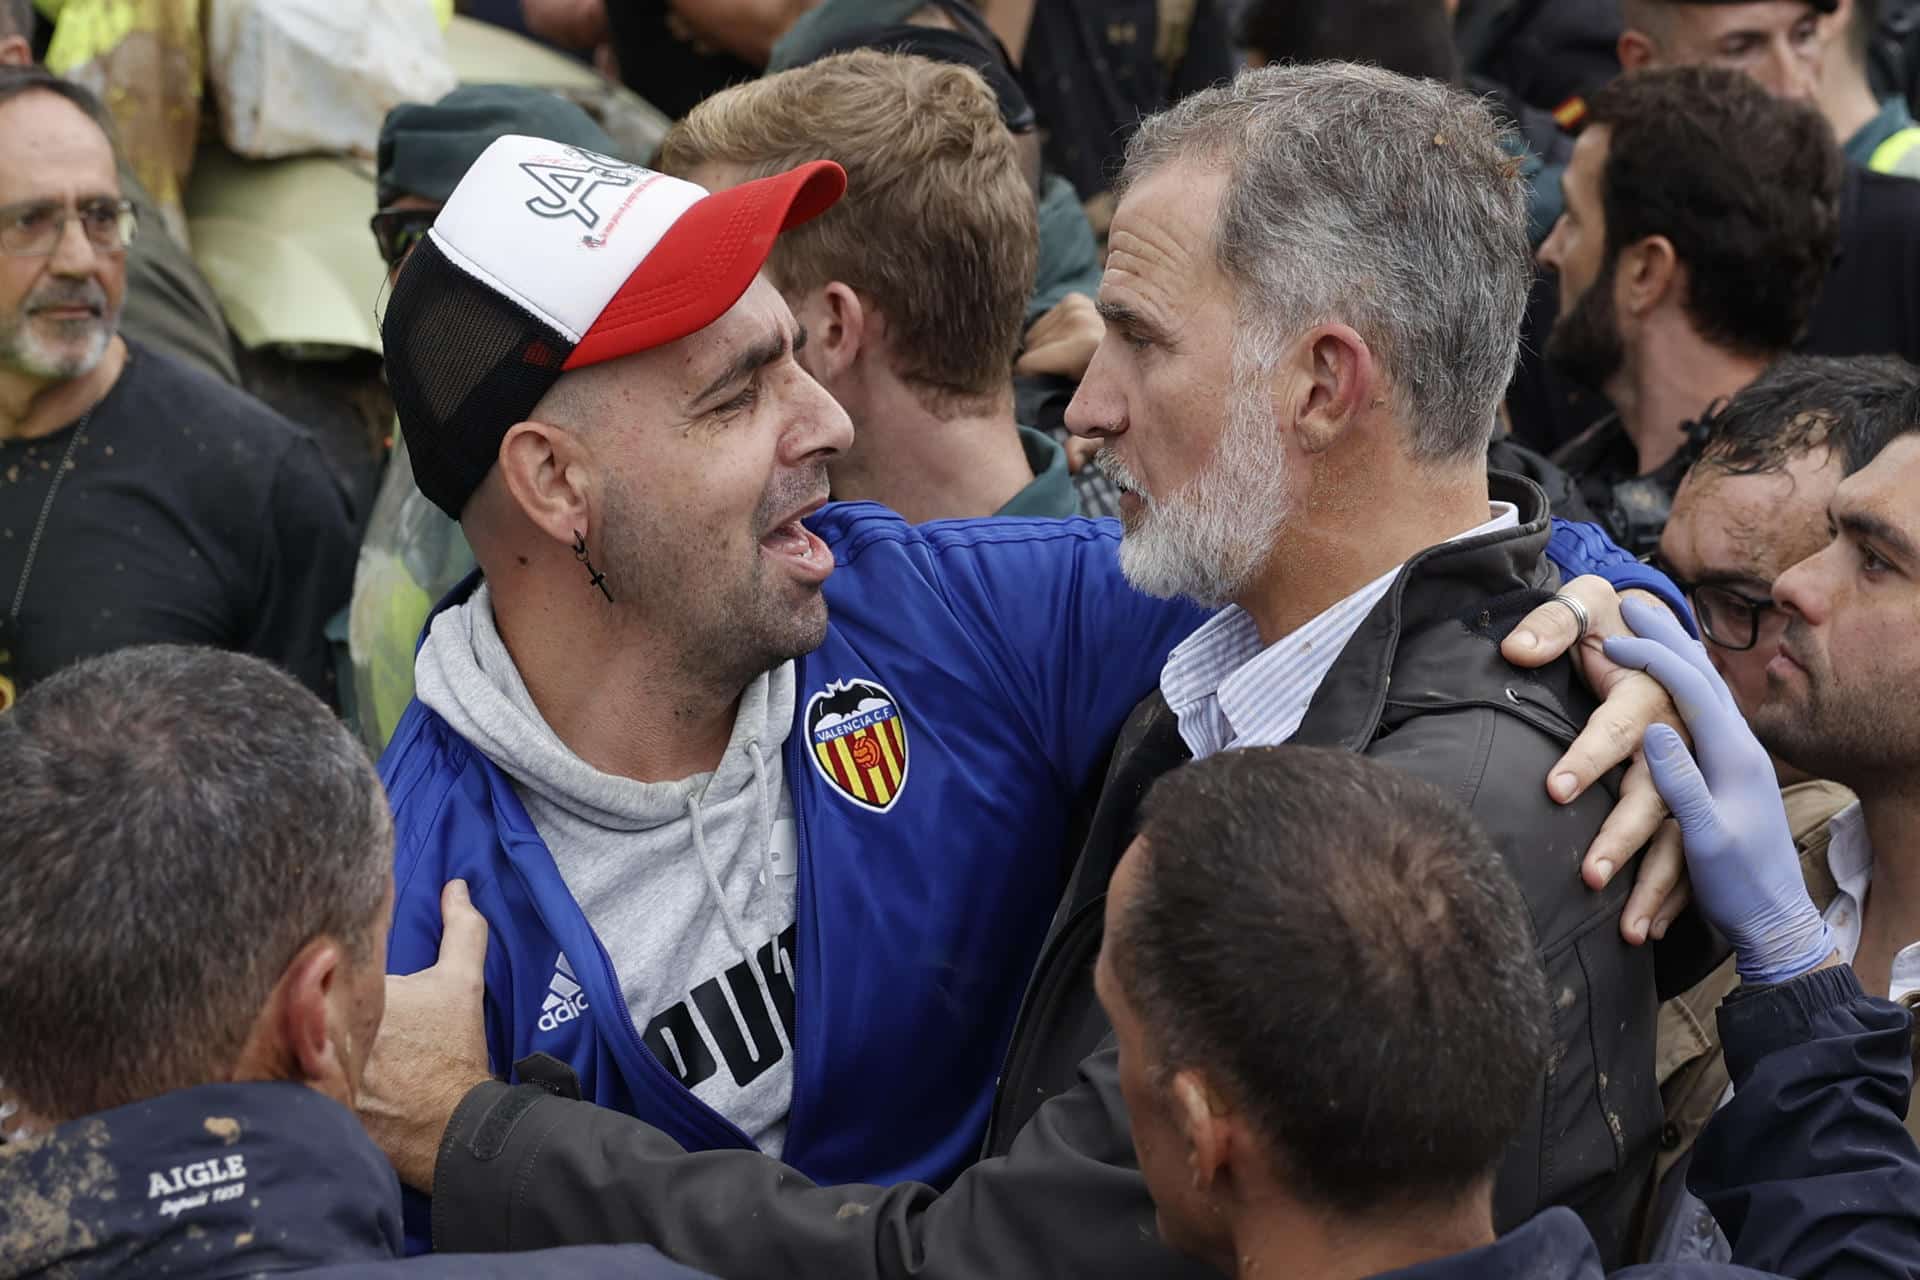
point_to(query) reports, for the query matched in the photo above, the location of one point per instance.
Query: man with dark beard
(141, 500)
(1701, 214)
(1838, 704)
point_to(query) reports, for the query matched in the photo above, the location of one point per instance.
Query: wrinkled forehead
(1160, 247)
(50, 148)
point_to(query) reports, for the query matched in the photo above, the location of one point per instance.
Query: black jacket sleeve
(520, 1169)
(1810, 1169)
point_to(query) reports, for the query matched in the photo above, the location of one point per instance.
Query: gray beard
(1210, 539)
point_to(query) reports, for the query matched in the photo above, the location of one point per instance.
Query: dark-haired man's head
(1412, 37)
(1755, 502)
(1780, 43)
(1310, 959)
(198, 879)
(1840, 683)
(1696, 205)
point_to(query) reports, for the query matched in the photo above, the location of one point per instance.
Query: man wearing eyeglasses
(1755, 502)
(1754, 505)
(141, 500)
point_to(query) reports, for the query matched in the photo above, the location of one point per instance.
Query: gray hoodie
(690, 885)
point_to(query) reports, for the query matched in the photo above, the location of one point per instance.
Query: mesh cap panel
(464, 365)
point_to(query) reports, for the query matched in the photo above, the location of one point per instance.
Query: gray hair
(16, 18)
(1362, 197)
(175, 824)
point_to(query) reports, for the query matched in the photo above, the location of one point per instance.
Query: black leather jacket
(1422, 686)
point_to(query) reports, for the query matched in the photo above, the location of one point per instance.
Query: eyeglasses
(398, 230)
(33, 229)
(1731, 619)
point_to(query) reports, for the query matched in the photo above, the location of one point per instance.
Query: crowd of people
(1102, 638)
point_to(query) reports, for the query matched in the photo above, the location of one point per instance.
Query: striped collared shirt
(1227, 691)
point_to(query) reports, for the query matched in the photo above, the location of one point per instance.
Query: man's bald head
(1780, 43)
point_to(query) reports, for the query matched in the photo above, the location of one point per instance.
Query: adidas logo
(565, 1000)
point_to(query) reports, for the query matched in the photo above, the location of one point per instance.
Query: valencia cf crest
(859, 742)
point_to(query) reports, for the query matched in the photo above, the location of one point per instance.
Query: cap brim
(706, 260)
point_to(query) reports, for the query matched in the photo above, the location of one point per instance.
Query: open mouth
(792, 542)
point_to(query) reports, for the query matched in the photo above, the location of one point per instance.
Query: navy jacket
(1809, 1170)
(236, 1180)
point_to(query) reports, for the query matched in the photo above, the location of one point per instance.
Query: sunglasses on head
(398, 230)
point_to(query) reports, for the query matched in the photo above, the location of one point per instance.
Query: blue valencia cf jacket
(973, 677)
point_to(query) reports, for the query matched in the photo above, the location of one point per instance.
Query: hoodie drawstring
(763, 812)
(763, 824)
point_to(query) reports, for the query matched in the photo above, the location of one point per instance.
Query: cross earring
(594, 577)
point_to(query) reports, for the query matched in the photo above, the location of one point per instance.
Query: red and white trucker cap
(548, 258)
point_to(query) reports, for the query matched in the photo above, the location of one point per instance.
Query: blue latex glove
(1740, 852)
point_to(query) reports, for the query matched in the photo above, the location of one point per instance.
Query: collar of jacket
(221, 1180)
(1492, 575)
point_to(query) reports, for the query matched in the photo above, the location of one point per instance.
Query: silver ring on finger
(1579, 612)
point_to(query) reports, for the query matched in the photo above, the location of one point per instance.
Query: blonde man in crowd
(913, 290)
